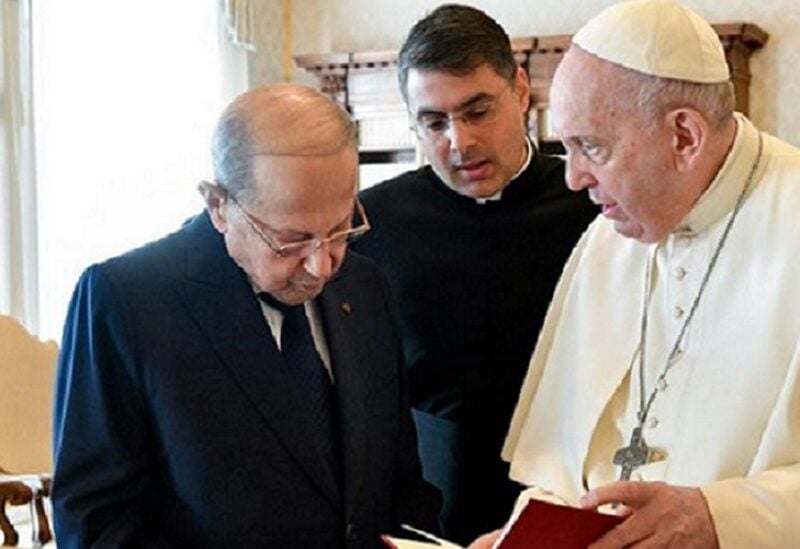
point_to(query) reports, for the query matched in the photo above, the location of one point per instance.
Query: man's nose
(461, 136)
(577, 176)
(319, 262)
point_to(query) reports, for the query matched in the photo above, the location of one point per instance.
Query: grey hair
(232, 153)
(455, 39)
(654, 96)
(279, 120)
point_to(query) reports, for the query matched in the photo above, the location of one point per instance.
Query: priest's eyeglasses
(305, 248)
(477, 111)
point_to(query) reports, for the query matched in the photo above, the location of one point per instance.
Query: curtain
(239, 19)
(18, 238)
(235, 39)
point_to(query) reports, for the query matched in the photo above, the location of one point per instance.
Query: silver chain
(675, 353)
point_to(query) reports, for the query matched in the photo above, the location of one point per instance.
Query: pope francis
(666, 379)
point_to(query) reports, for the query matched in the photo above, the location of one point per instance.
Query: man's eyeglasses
(305, 248)
(433, 125)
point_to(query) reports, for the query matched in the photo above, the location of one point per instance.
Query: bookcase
(365, 83)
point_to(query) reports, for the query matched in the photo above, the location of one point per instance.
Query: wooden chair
(25, 490)
(27, 368)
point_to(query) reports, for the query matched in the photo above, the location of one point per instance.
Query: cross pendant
(632, 456)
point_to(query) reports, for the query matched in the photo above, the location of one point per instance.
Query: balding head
(286, 167)
(276, 120)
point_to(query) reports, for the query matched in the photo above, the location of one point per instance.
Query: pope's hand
(660, 515)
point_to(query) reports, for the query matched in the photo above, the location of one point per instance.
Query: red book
(551, 526)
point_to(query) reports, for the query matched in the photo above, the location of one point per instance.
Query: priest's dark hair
(456, 39)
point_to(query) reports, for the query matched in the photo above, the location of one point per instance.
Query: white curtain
(18, 239)
(240, 21)
(236, 27)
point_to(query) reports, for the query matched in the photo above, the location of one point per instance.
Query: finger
(639, 526)
(623, 510)
(633, 494)
(651, 542)
(623, 535)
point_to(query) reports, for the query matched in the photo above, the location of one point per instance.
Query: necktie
(310, 379)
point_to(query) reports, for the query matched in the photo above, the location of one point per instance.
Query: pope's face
(620, 157)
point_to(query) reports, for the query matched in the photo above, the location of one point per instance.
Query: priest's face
(622, 157)
(471, 127)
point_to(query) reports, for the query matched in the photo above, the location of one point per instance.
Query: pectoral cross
(632, 456)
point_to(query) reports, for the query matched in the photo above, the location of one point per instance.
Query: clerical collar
(499, 194)
(721, 195)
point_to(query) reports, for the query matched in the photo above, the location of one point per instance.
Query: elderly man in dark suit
(238, 383)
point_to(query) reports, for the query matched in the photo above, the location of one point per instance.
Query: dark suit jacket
(175, 423)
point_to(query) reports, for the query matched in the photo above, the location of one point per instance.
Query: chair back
(27, 370)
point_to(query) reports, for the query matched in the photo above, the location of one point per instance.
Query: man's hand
(486, 541)
(660, 515)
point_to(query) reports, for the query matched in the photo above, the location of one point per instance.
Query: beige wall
(265, 65)
(321, 26)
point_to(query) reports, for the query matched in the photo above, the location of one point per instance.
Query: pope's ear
(215, 198)
(689, 134)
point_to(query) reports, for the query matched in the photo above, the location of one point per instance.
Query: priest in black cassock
(473, 245)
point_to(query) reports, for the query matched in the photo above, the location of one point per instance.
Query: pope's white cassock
(727, 416)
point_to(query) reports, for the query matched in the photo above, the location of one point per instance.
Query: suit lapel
(340, 317)
(219, 297)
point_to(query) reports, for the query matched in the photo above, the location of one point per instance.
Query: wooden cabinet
(366, 84)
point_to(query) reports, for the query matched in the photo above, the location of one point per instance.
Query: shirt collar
(721, 195)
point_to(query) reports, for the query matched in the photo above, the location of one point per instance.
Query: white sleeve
(758, 511)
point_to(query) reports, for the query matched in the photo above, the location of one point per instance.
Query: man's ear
(215, 198)
(523, 89)
(690, 134)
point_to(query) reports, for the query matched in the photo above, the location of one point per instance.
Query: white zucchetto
(656, 37)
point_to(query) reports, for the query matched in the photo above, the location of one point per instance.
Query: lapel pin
(347, 308)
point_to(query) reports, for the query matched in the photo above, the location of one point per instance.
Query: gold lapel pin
(347, 308)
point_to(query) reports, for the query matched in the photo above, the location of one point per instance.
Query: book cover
(543, 524)
(539, 525)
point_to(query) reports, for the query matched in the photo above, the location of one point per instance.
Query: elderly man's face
(614, 152)
(299, 197)
(471, 127)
